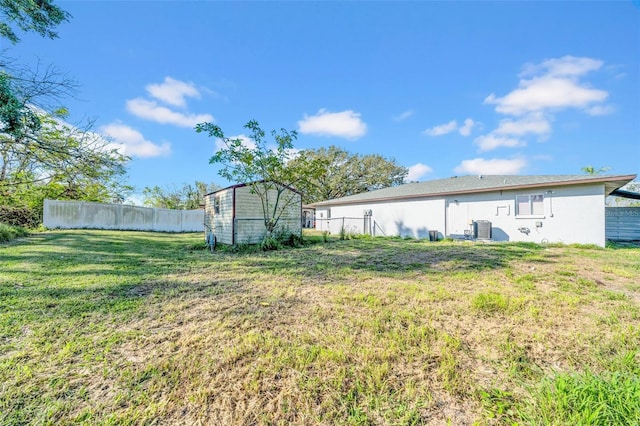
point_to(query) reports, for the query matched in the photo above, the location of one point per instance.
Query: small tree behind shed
(262, 167)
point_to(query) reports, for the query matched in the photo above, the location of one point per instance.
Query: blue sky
(444, 88)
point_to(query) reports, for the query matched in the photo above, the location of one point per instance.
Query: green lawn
(102, 327)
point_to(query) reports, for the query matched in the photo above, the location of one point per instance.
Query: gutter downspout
(446, 219)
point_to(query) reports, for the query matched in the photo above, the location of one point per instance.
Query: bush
(19, 216)
(281, 239)
(270, 243)
(10, 232)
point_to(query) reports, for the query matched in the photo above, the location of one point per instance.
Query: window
(216, 204)
(530, 205)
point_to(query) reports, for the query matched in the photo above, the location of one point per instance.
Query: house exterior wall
(414, 218)
(570, 214)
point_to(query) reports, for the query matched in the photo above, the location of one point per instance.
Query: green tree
(615, 201)
(590, 170)
(61, 161)
(40, 16)
(20, 87)
(188, 197)
(328, 173)
(263, 167)
(41, 155)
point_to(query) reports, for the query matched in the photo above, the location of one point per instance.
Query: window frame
(216, 204)
(535, 205)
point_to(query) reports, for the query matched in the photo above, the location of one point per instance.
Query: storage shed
(235, 214)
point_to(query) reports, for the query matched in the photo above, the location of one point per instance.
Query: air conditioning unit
(482, 229)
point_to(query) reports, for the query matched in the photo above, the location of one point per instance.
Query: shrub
(284, 238)
(9, 232)
(270, 243)
(19, 216)
(294, 240)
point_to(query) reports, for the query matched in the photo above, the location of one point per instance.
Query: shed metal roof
(475, 184)
(240, 185)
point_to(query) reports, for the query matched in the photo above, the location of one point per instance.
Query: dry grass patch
(115, 327)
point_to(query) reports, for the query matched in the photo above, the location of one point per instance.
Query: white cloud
(509, 132)
(465, 130)
(495, 166)
(452, 126)
(403, 116)
(442, 129)
(544, 93)
(532, 123)
(150, 110)
(345, 124)
(131, 142)
(173, 92)
(417, 171)
(544, 89)
(567, 66)
(492, 141)
(553, 85)
(601, 110)
(246, 141)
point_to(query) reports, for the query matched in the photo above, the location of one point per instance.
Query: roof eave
(614, 181)
(240, 185)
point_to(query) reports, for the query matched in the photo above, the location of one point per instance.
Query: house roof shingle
(474, 184)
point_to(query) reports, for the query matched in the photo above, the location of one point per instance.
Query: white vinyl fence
(81, 215)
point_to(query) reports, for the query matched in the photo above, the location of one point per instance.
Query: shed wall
(250, 217)
(220, 223)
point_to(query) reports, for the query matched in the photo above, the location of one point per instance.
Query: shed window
(216, 204)
(530, 205)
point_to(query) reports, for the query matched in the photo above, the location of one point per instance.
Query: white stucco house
(235, 214)
(546, 208)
